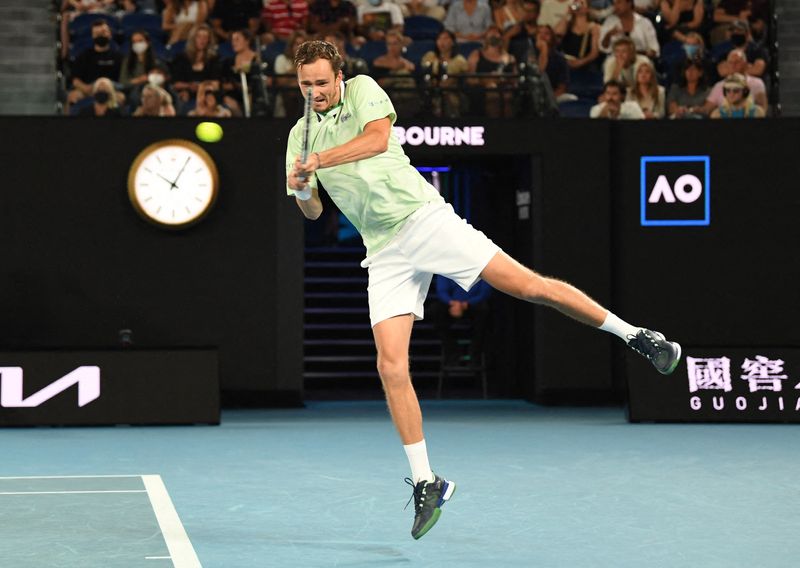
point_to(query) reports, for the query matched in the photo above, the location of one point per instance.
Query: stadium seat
(225, 50)
(82, 24)
(270, 51)
(467, 47)
(585, 83)
(576, 109)
(370, 50)
(422, 27)
(417, 49)
(151, 23)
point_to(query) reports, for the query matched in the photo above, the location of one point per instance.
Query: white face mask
(156, 79)
(139, 47)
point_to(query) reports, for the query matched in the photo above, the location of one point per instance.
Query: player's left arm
(372, 141)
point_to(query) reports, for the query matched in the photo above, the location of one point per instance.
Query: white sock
(620, 328)
(418, 459)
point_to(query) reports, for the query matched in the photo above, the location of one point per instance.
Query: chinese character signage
(719, 385)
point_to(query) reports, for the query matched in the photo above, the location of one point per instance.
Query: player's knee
(393, 370)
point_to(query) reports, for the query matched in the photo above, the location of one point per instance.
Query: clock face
(173, 183)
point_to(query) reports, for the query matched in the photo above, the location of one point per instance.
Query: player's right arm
(312, 207)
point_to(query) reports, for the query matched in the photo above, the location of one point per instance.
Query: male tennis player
(410, 233)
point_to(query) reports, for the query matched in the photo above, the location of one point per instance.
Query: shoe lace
(645, 344)
(417, 495)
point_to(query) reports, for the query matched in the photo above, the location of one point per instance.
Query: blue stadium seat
(151, 23)
(467, 47)
(576, 109)
(585, 83)
(270, 51)
(417, 49)
(175, 49)
(422, 27)
(225, 50)
(370, 50)
(82, 24)
(81, 104)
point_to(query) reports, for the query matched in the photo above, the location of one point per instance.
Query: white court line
(178, 543)
(67, 476)
(158, 557)
(70, 492)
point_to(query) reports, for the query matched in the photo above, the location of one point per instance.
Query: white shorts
(434, 240)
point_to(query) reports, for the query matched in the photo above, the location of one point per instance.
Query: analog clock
(173, 183)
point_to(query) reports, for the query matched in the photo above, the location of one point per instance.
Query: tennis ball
(208, 132)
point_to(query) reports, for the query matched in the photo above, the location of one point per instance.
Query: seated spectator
(739, 38)
(646, 92)
(102, 60)
(140, 59)
(680, 17)
(468, 19)
(351, 66)
(180, 16)
(444, 64)
(228, 16)
(71, 9)
(552, 12)
(282, 17)
(332, 16)
(626, 22)
(508, 16)
(621, 64)
(687, 96)
(430, 8)
(208, 102)
(245, 60)
(552, 61)
(155, 102)
(613, 106)
(394, 73)
(453, 304)
(198, 63)
(376, 17)
(520, 40)
(104, 100)
(736, 102)
(738, 64)
(499, 68)
(579, 37)
(755, 12)
(289, 100)
(647, 8)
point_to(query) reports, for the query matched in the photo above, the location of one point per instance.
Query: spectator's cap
(739, 25)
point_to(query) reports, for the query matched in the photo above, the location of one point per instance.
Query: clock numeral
(189, 211)
(158, 210)
(198, 199)
(148, 199)
(198, 170)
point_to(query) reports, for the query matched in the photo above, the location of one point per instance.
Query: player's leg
(509, 276)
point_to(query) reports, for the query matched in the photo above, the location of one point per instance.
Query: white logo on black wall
(87, 379)
(675, 190)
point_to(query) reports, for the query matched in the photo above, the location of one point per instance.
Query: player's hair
(312, 50)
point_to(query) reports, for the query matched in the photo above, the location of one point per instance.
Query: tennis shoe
(664, 355)
(428, 497)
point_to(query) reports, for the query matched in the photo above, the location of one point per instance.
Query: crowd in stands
(614, 59)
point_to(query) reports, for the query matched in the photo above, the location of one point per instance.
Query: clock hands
(171, 185)
(175, 183)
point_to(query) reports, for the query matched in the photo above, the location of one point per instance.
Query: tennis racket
(306, 129)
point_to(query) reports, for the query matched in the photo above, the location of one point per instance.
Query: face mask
(156, 79)
(102, 97)
(139, 47)
(101, 41)
(738, 40)
(375, 2)
(691, 50)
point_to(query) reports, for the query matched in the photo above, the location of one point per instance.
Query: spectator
(738, 64)
(739, 38)
(228, 16)
(553, 11)
(468, 19)
(137, 63)
(647, 8)
(736, 102)
(453, 304)
(351, 66)
(208, 102)
(621, 64)
(394, 73)
(688, 95)
(155, 102)
(282, 17)
(430, 8)
(71, 9)
(552, 61)
(508, 16)
(521, 39)
(180, 16)
(611, 104)
(756, 12)
(680, 17)
(444, 63)
(245, 60)
(102, 60)
(498, 67)
(198, 63)
(288, 101)
(331, 16)
(377, 17)
(626, 22)
(104, 103)
(579, 37)
(646, 91)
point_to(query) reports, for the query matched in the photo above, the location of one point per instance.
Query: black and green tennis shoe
(664, 355)
(429, 496)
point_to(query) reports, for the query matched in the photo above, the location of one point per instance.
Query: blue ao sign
(675, 190)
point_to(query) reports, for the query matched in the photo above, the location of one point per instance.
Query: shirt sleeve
(651, 41)
(397, 14)
(293, 148)
(370, 101)
(607, 26)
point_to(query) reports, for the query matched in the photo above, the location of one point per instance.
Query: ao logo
(688, 189)
(87, 378)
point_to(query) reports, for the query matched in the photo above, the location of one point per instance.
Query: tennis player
(410, 233)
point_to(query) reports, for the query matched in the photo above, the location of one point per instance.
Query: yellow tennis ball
(208, 132)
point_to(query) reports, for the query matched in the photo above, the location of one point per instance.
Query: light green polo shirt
(376, 194)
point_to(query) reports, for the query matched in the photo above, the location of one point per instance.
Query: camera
(575, 6)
